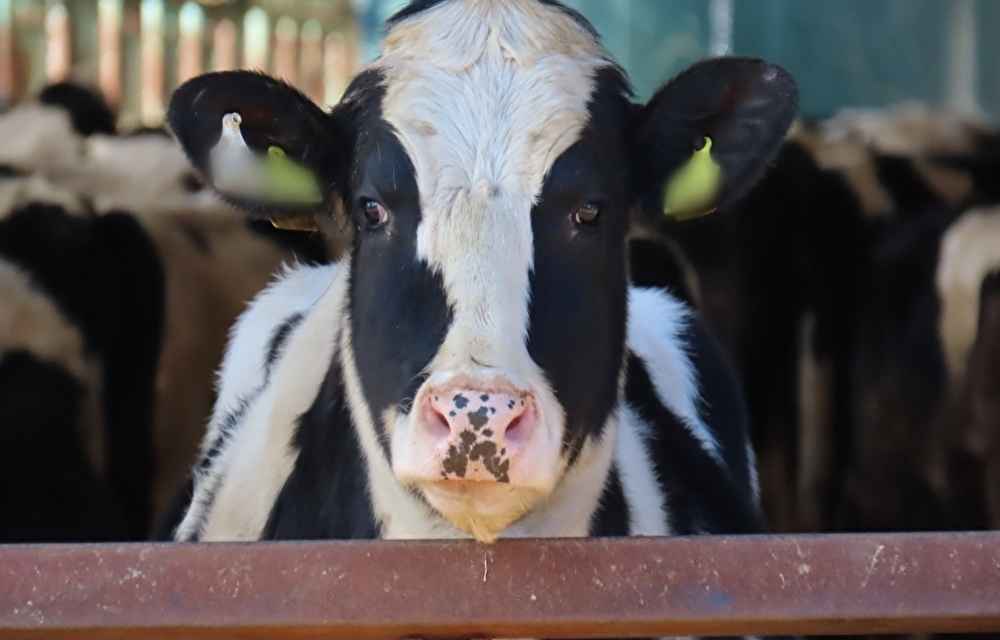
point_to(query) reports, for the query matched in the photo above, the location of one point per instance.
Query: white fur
(484, 96)
(656, 323)
(247, 475)
(256, 453)
(969, 251)
(643, 493)
(30, 321)
(39, 138)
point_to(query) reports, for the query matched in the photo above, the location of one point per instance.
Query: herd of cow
(855, 290)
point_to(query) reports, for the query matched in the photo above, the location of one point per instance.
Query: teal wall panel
(844, 53)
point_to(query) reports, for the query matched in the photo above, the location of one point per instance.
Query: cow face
(489, 161)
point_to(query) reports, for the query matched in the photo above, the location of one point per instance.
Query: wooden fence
(137, 51)
(589, 588)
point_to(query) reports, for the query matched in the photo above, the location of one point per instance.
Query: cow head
(489, 161)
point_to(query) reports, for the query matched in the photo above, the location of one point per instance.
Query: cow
(204, 263)
(779, 279)
(79, 346)
(477, 365)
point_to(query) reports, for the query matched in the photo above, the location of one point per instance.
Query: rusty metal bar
(821, 584)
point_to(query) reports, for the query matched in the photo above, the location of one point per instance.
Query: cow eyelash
(374, 212)
(587, 213)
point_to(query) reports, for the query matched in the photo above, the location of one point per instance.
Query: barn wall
(845, 53)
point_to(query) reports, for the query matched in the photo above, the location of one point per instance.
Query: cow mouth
(481, 509)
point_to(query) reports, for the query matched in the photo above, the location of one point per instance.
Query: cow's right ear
(259, 143)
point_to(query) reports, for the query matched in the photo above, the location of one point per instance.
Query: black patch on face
(399, 310)
(460, 401)
(104, 274)
(48, 488)
(578, 284)
(326, 494)
(702, 497)
(612, 516)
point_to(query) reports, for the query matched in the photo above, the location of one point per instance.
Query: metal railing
(584, 588)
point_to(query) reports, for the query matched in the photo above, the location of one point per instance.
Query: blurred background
(856, 290)
(848, 54)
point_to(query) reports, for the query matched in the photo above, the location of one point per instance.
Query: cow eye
(587, 213)
(375, 214)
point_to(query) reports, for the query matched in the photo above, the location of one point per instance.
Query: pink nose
(479, 432)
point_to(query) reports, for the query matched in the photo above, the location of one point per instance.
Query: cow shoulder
(257, 336)
(683, 399)
(254, 384)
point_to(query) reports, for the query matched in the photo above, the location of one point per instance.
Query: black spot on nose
(484, 397)
(510, 405)
(460, 401)
(479, 418)
(452, 414)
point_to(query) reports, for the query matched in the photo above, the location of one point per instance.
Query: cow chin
(481, 509)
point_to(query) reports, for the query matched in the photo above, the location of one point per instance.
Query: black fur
(655, 264)
(399, 310)
(48, 488)
(105, 275)
(900, 384)
(743, 104)
(326, 495)
(88, 111)
(613, 515)
(910, 192)
(282, 116)
(578, 282)
(702, 495)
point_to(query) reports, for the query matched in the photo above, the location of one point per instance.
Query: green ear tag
(289, 181)
(691, 190)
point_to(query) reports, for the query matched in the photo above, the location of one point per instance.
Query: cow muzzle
(480, 454)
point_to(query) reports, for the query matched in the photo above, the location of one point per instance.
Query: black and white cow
(80, 336)
(479, 365)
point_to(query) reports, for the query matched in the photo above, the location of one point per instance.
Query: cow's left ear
(707, 135)
(260, 143)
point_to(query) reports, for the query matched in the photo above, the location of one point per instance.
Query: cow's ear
(260, 143)
(707, 135)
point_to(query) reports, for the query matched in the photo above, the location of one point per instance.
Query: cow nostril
(514, 432)
(438, 425)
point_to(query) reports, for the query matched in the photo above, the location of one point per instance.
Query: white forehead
(484, 95)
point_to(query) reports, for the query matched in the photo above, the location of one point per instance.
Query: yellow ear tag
(289, 181)
(691, 190)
